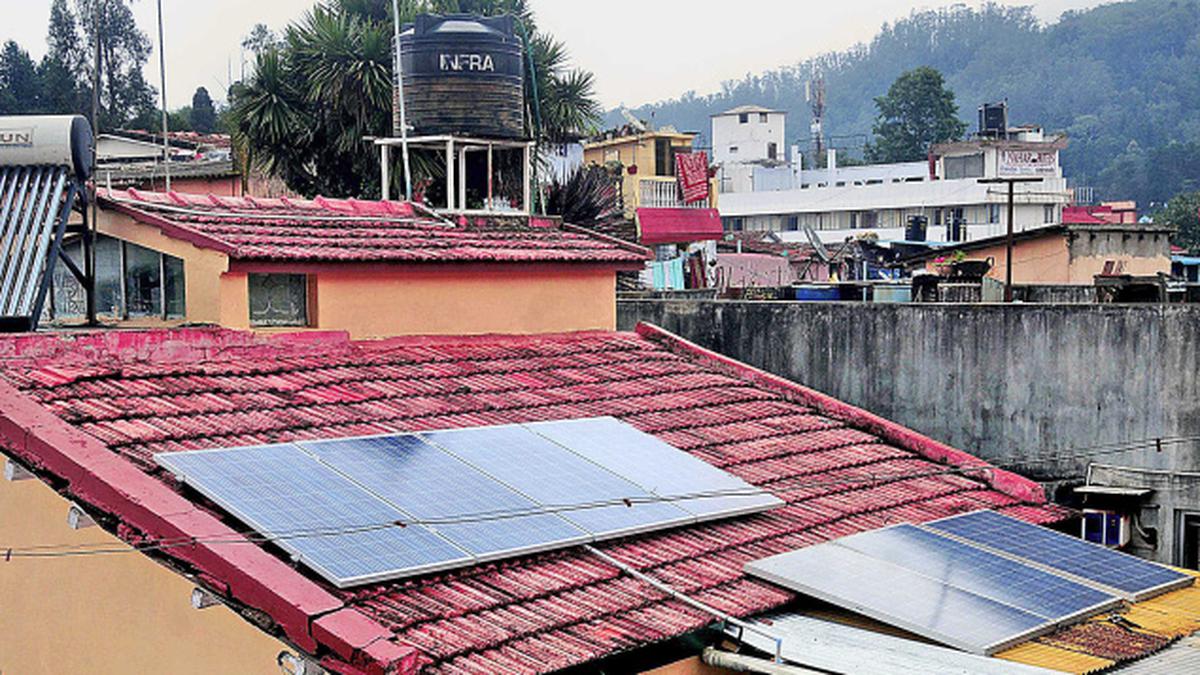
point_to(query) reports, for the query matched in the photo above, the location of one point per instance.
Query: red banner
(692, 171)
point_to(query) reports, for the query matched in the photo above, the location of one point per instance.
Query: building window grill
(278, 300)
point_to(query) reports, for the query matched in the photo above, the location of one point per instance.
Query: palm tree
(304, 112)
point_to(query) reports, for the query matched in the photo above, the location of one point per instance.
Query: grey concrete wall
(1011, 382)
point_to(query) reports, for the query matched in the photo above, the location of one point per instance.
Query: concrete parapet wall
(1005, 382)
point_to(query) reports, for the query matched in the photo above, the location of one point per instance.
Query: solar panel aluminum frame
(1050, 625)
(1139, 596)
(295, 553)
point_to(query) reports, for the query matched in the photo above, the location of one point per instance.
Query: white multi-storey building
(841, 202)
(746, 139)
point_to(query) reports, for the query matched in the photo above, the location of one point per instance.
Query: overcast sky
(640, 50)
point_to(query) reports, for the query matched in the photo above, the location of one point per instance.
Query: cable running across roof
(798, 485)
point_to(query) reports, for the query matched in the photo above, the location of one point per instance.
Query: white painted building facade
(843, 202)
(561, 160)
(745, 139)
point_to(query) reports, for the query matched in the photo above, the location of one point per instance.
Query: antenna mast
(814, 93)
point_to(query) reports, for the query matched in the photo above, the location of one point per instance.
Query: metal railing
(663, 193)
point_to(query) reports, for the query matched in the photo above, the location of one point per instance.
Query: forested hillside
(1123, 80)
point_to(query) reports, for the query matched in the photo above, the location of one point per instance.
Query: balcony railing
(663, 193)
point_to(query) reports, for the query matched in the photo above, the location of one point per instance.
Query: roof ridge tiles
(353, 230)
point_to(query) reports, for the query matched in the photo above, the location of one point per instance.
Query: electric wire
(786, 486)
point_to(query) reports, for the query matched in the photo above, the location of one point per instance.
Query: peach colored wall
(460, 301)
(398, 301)
(1048, 260)
(1084, 270)
(235, 308)
(120, 613)
(225, 186)
(1044, 260)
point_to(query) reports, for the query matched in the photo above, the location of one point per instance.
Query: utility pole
(162, 68)
(400, 103)
(1008, 238)
(90, 228)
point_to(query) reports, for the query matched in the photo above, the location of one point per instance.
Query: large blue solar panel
(425, 481)
(280, 491)
(1132, 578)
(455, 497)
(658, 467)
(559, 479)
(901, 597)
(981, 572)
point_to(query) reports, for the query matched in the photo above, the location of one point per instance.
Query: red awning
(678, 226)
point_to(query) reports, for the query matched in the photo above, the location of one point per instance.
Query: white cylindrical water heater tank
(47, 140)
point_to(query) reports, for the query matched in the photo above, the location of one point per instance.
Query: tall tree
(64, 67)
(124, 50)
(20, 87)
(917, 111)
(203, 113)
(260, 39)
(1183, 213)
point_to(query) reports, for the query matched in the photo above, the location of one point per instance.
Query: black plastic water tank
(463, 75)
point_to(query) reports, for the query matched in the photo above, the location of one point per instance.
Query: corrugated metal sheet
(1139, 631)
(1055, 658)
(1182, 657)
(841, 648)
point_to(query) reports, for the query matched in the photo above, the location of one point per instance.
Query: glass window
(143, 282)
(793, 223)
(762, 117)
(68, 300)
(1048, 213)
(966, 166)
(744, 118)
(278, 300)
(993, 213)
(173, 287)
(110, 291)
(131, 282)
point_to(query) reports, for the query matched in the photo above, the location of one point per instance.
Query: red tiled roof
(92, 409)
(355, 231)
